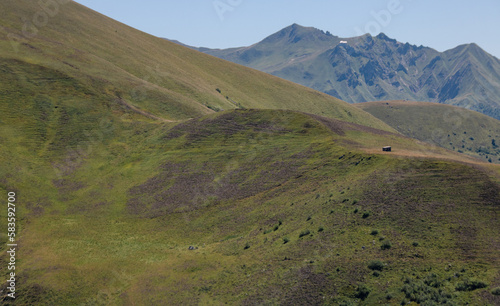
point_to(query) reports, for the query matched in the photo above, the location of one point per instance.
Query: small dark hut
(387, 149)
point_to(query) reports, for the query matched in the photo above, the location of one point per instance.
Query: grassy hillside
(123, 200)
(454, 128)
(124, 67)
(276, 206)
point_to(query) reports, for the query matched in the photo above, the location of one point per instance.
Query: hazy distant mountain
(368, 68)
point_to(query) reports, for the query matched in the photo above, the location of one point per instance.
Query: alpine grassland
(150, 187)
(457, 129)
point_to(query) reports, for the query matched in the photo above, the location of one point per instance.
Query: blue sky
(440, 24)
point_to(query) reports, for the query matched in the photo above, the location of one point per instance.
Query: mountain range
(375, 68)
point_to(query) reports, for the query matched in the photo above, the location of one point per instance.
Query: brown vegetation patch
(225, 125)
(67, 185)
(38, 208)
(429, 195)
(300, 286)
(187, 186)
(307, 288)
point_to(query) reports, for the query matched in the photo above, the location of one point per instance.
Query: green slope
(280, 207)
(122, 66)
(454, 128)
(111, 195)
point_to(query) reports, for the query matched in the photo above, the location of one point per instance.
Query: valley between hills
(148, 173)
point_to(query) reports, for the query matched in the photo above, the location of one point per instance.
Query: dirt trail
(144, 113)
(492, 169)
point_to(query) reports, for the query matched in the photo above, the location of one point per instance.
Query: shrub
(356, 211)
(386, 245)
(470, 285)
(496, 291)
(374, 232)
(304, 233)
(362, 292)
(415, 244)
(214, 108)
(376, 265)
(276, 227)
(309, 218)
(285, 240)
(432, 280)
(247, 246)
(366, 215)
(218, 90)
(320, 229)
(427, 291)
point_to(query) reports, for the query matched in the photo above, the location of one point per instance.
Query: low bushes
(470, 285)
(376, 265)
(386, 245)
(304, 233)
(362, 292)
